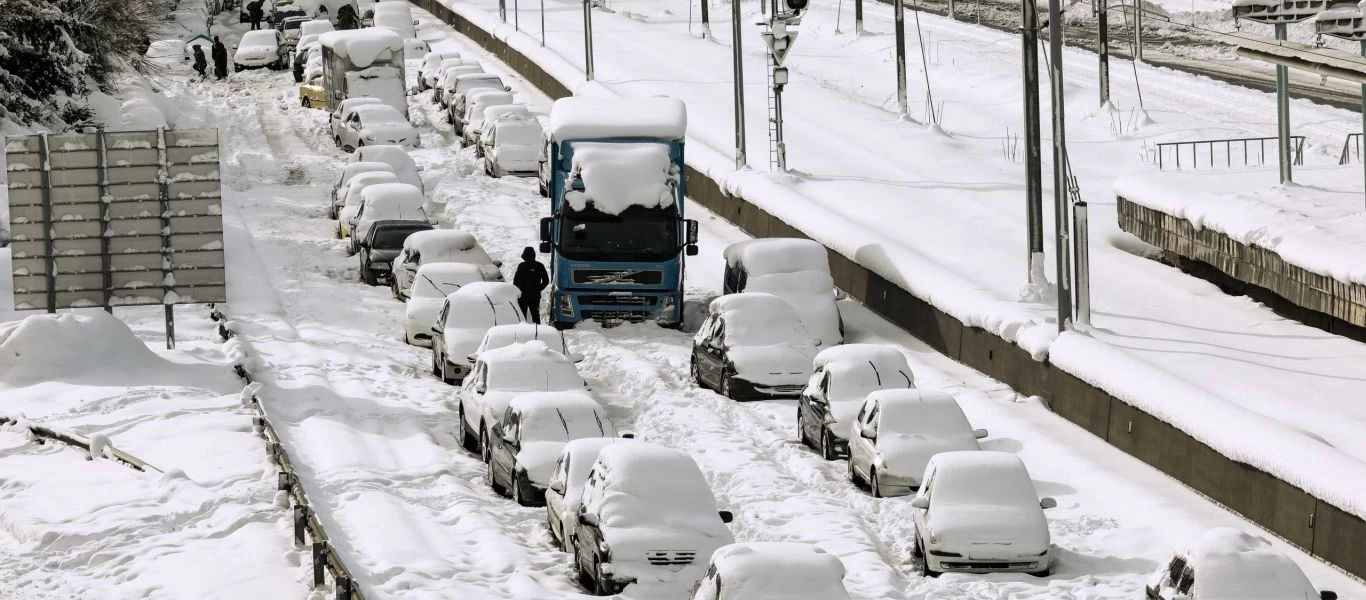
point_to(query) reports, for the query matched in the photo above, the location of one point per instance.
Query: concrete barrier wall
(1310, 523)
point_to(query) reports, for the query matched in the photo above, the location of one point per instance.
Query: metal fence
(1352, 142)
(1226, 153)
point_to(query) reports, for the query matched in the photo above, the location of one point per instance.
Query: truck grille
(617, 277)
(615, 315)
(662, 558)
(609, 300)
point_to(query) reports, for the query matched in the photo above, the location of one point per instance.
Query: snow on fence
(1318, 518)
(306, 524)
(97, 445)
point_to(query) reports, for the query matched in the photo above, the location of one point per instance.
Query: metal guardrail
(71, 439)
(306, 523)
(1253, 151)
(1347, 147)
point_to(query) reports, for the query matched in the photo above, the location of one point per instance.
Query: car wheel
(696, 374)
(348, 148)
(493, 482)
(916, 550)
(726, 390)
(436, 366)
(484, 451)
(602, 587)
(873, 486)
(1044, 573)
(467, 441)
(585, 577)
(853, 474)
(828, 447)
(517, 490)
(446, 377)
(303, 102)
(925, 566)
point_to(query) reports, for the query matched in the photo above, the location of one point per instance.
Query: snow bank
(362, 47)
(581, 118)
(619, 176)
(46, 347)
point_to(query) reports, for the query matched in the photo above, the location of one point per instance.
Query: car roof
(751, 303)
(526, 353)
(441, 239)
(378, 110)
(779, 571)
(762, 256)
(260, 35)
(365, 166)
(878, 354)
(447, 271)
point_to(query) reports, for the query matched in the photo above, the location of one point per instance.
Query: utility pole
(1029, 37)
(502, 10)
(588, 39)
(706, 19)
(779, 39)
(1103, 48)
(542, 23)
(902, 106)
(1061, 214)
(1138, 30)
(1283, 112)
(738, 61)
(858, 17)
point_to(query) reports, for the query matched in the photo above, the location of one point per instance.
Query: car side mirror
(436, 329)
(472, 358)
(867, 431)
(557, 486)
(921, 503)
(1047, 503)
(589, 518)
(480, 388)
(726, 516)
(979, 433)
(507, 88)
(628, 435)
(414, 22)
(576, 357)
(1327, 595)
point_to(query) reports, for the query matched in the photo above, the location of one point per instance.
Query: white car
(344, 110)
(648, 517)
(261, 48)
(796, 270)
(376, 124)
(427, 72)
(472, 118)
(349, 172)
(1227, 564)
(491, 115)
(528, 439)
(387, 202)
(465, 317)
(455, 95)
(446, 81)
(977, 512)
(431, 286)
(564, 491)
(503, 336)
(897, 431)
(752, 345)
(842, 378)
(397, 158)
(352, 195)
(772, 571)
(290, 26)
(503, 374)
(437, 246)
(511, 144)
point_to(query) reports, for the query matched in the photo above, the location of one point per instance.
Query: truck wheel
(561, 325)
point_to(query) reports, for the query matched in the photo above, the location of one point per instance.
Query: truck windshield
(638, 234)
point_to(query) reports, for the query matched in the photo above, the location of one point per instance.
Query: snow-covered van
(364, 62)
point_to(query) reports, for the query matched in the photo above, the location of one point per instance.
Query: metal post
(1029, 36)
(588, 39)
(737, 59)
(1138, 30)
(778, 126)
(1103, 49)
(516, 16)
(952, 9)
(45, 174)
(170, 327)
(1060, 212)
(503, 10)
(319, 560)
(300, 524)
(706, 19)
(1361, 142)
(102, 173)
(1283, 112)
(858, 17)
(542, 23)
(1081, 251)
(900, 19)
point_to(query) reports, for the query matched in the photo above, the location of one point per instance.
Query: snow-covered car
(796, 270)
(312, 94)
(842, 378)
(440, 245)
(290, 27)
(396, 16)
(457, 93)
(564, 492)
(772, 571)
(1227, 564)
(511, 144)
(261, 48)
(752, 345)
(376, 124)
(503, 374)
(349, 198)
(503, 336)
(534, 429)
(308, 38)
(978, 512)
(344, 110)
(446, 80)
(465, 317)
(897, 431)
(387, 202)
(430, 287)
(491, 115)
(381, 242)
(427, 72)
(648, 516)
(397, 158)
(472, 119)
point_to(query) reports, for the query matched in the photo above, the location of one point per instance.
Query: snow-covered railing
(1253, 150)
(96, 446)
(306, 523)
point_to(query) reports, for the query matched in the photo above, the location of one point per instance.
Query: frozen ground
(950, 228)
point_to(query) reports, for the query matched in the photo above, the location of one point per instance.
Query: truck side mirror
(692, 231)
(690, 250)
(545, 230)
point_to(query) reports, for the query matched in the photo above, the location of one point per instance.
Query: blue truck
(617, 236)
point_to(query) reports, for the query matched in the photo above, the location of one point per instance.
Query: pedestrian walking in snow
(220, 59)
(530, 279)
(254, 11)
(201, 64)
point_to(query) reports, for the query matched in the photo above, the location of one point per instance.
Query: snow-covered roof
(879, 354)
(763, 256)
(261, 38)
(478, 100)
(362, 47)
(982, 477)
(379, 113)
(478, 76)
(403, 195)
(494, 291)
(481, 305)
(584, 118)
(669, 479)
(354, 102)
(913, 411)
(440, 240)
(500, 112)
(353, 194)
(517, 333)
(530, 366)
(356, 168)
(1233, 565)
(759, 319)
(561, 416)
(619, 176)
(315, 27)
(438, 280)
(778, 571)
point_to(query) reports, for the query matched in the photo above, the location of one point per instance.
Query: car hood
(389, 131)
(780, 364)
(630, 544)
(906, 455)
(989, 528)
(255, 51)
(538, 460)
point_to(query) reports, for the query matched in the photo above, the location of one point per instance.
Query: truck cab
(617, 235)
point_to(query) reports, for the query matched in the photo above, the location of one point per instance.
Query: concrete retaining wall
(1312, 524)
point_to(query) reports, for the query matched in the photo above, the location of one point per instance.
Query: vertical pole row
(738, 61)
(706, 18)
(1029, 37)
(1061, 215)
(1283, 112)
(45, 172)
(1361, 140)
(102, 178)
(542, 23)
(858, 17)
(163, 186)
(900, 18)
(1081, 250)
(588, 39)
(1138, 30)
(1103, 49)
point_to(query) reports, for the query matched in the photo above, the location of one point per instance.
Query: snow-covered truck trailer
(616, 234)
(363, 62)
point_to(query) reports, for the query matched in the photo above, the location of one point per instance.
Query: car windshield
(391, 238)
(638, 234)
(518, 134)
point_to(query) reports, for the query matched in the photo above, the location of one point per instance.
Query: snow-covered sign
(614, 118)
(1277, 11)
(619, 176)
(116, 218)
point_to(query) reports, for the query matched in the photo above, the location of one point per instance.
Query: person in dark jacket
(255, 12)
(201, 64)
(530, 279)
(220, 59)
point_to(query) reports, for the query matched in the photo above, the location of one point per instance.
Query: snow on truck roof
(607, 118)
(618, 176)
(779, 571)
(362, 46)
(778, 255)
